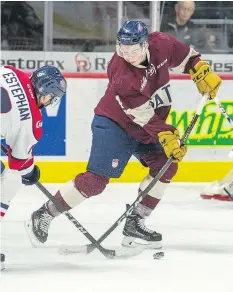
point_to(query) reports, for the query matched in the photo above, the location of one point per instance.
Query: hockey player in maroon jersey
(130, 119)
(21, 124)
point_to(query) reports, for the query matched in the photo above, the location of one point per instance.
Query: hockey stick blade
(108, 253)
(120, 253)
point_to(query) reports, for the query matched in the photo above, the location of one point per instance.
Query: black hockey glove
(32, 177)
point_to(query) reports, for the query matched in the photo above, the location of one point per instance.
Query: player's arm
(188, 61)
(20, 157)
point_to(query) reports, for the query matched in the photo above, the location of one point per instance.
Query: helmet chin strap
(145, 47)
(143, 54)
(40, 105)
(37, 100)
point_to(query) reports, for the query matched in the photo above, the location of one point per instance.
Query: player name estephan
(19, 94)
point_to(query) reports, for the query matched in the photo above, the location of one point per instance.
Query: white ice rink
(198, 246)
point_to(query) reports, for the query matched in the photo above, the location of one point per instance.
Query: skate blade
(132, 242)
(120, 253)
(126, 252)
(34, 241)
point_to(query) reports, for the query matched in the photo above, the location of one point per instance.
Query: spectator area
(91, 26)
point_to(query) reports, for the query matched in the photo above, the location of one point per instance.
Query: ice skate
(215, 191)
(136, 233)
(37, 227)
(2, 262)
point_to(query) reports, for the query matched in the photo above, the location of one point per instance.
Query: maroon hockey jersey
(139, 98)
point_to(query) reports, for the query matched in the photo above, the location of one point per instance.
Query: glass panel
(22, 25)
(87, 26)
(137, 10)
(207, 25)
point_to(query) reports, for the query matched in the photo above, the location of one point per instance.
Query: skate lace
(141, 224)
(45, 220)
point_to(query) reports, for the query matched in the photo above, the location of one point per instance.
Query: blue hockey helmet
(48, 80)
(132, 32)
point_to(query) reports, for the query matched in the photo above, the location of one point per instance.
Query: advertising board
(89, 62)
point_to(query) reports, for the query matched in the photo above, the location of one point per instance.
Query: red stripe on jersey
(35, 111)
(18, 164)
(2, 214)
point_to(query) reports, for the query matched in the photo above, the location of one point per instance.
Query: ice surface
(198, 245)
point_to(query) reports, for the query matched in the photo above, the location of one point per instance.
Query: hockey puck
(158, 255)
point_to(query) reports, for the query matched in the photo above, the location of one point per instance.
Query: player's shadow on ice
(211, 249)
(58, 267)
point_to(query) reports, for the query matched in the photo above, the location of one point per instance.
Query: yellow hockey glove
(206, 80)
(171, 145)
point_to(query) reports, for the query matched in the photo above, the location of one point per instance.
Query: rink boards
(65, 147)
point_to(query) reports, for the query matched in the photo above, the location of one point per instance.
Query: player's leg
(220, 190)
(153, 157)
(11, 182)
(111, 149)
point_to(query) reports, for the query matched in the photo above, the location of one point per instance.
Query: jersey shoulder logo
(38, 124)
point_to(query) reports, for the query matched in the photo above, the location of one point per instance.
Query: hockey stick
(218, 103)
(90, 247)
(109, 253)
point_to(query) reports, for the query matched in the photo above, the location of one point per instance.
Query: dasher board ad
(89, 62)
